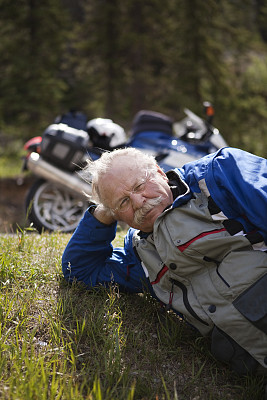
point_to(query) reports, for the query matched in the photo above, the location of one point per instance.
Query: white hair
(96, 169)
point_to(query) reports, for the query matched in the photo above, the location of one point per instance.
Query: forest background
(111, 58)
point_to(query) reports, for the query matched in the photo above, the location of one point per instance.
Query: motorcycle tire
(52, 208)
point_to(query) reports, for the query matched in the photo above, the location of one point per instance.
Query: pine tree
(31, 51)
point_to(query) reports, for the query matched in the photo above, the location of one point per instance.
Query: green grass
(10, 167)
(11, 156)
(65, 342)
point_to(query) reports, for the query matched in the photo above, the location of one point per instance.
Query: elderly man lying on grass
(197, 241)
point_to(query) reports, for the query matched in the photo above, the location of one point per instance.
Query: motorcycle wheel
(51, 208)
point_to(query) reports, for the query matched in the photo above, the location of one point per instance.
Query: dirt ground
(12, 203)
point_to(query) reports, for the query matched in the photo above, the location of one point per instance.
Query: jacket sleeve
(241, 178)
(89, 257)
(237, 181)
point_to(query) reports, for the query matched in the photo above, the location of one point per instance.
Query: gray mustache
(141, 213)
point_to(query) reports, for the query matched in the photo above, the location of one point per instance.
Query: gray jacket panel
(211, 277)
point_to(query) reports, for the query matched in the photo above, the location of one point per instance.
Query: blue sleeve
(90, 258)
(237, 182)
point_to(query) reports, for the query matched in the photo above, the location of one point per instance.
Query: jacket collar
(180, 190)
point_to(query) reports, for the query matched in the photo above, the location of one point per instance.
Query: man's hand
(103, 215)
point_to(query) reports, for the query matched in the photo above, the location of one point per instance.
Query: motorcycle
(60, 196)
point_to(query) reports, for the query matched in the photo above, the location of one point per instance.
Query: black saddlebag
(64, 146)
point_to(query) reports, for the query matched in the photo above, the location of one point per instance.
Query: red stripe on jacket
(185, 245)
(160, 275)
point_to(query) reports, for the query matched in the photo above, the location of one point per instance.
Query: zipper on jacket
(186, 301)
(169, 305)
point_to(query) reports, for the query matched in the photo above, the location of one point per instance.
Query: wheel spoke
(57, 209)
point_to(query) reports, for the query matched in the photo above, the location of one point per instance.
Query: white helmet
(105, 131)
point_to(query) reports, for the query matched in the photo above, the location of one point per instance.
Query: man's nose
(137, 200)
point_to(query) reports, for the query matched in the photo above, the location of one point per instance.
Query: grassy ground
(64, 342)
(11, 156)
(11, 167)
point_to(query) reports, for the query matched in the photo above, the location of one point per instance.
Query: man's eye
(139, 188)
(124, 202)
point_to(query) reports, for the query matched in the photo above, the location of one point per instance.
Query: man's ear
(162, 173)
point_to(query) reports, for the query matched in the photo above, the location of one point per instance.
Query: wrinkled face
(134, 195)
